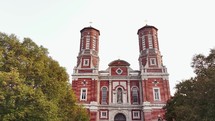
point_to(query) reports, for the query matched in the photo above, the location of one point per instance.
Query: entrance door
(120, 117)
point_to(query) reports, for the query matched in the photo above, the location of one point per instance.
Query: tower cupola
(148, 47)
(148, 38)
(88, 59)
(89, 39)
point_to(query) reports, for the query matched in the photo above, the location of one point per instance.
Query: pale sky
(185, 28)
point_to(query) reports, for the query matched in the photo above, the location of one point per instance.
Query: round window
(119, 71)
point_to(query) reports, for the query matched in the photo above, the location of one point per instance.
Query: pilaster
(110, 91)
(129, 92)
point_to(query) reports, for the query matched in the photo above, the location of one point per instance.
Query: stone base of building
(145, 112)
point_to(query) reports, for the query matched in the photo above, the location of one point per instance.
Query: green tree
(71, 111)
(18, 101)
(194, 98)
(42, 88)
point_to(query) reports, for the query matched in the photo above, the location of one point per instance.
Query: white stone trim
(123, 84)
(141, 92)
(98, 90)
(110, 92)
(129, 93)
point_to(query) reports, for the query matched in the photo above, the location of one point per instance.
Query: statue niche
(119, 95)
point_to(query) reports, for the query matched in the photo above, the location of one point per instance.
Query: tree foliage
(33, 86)
(194, 99)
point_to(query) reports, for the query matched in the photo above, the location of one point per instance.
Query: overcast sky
(185, 28)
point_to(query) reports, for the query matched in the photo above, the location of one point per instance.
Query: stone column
(110, 91)
(98, 91)
(140, 92)
(129, 92)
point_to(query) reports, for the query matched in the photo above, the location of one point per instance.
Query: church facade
(120, 93)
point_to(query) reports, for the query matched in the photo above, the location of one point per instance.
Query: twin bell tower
(120, 93)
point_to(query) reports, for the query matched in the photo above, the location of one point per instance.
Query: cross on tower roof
(90, 23)
(145, 21)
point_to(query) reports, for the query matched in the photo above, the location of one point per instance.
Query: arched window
(104, 95)
(135, 95)
(119, 95)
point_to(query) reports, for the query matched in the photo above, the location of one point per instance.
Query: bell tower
(119, 92)
(85, 73)
(88, 59)
(154, 76)
(148, 47)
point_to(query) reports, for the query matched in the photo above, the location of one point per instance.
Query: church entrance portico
(119, 117)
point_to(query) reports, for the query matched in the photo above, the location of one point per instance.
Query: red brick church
(120, 93)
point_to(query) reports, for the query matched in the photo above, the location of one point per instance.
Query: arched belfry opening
(119, 117)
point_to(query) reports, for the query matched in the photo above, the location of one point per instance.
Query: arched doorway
(119, 117)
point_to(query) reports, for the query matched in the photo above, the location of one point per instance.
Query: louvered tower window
(150, 41)
(88, 42)
(143, 42)
(94, 43)
(82, 43)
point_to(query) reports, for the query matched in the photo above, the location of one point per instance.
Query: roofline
(90, 28)
(146, 26)
(119, 60)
